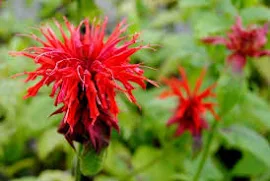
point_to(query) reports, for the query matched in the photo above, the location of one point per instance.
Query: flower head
(86, 70)
(189, 115)
(243, 43)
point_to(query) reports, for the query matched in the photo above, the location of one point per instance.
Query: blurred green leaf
(257, 110)
(25, 179)
(227, 7)
(165, 18)
(91, 162)
(255, 14)
(37, 118)
(248, 140)
(49, 8)
(48, 141)
(209, 171)
(262, 66)
(208, 23)
(19, 165)
(152, 165)
(55, 175)
(245, 167)
(117, 161)
(193, 3)
(88, 8)
(104, 178)
(230, 90)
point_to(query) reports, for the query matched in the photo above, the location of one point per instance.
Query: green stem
(205, 152)
(77, 166)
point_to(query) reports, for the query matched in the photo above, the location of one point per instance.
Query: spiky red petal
(189, 115)
(243, 43)
(85, 71)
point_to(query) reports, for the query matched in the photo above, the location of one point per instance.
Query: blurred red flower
(243, 43)
(189, 114)
(86, 70)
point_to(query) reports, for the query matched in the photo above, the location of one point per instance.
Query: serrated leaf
(248, 140)
(91, 162)
(48, 141)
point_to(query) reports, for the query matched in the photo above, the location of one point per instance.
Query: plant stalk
(77, 166)
(205, 152)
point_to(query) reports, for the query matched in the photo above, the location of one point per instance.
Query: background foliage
(31, 149)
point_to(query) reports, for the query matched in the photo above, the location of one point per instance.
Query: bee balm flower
(86, 70)
(189, 114)
(242, 43)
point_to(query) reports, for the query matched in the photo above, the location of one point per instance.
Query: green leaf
(193, 3)
(37, 118)
(259, 116)
(165, 18)
(128, 121)
(255, 14)
(5, 133)
(19, 165)
(55, 175)
(209, 171)
(152, 165)
(9, 97)
(88, 8)
(252, 111)
(227, 7)
(230, 91)
(208, 23)
(248, 140)
(91, 162)
(118, 159)
(262, 66)
(48, 141)
(245, 167)
(104, 178)
(25, 179)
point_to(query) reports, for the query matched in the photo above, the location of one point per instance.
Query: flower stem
(77, 166)
(205, 152)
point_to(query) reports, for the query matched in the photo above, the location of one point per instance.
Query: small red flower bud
(189, 114)
(242, 43)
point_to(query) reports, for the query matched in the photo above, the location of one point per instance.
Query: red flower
(189, 115)
(243, 43)
(86, 71)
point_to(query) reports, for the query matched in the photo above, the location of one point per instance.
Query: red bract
(243, 43)
(189, 115)
(86, 72)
